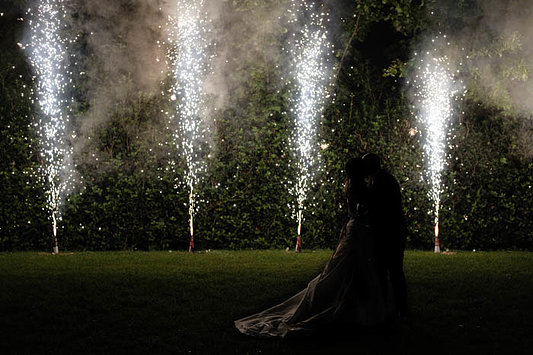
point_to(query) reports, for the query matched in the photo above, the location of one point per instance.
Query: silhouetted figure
(347, 292)
(387, 220)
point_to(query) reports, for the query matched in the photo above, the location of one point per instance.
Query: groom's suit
(388, 221)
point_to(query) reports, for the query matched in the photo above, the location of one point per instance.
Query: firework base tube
(191, 225)
(56, 246)
(191, 245)
(298, 247)
(437, 246)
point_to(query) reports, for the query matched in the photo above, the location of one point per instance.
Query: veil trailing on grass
(347, 292)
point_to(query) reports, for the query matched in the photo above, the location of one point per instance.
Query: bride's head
(355, 179)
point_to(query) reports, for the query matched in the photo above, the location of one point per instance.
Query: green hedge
(132, 199)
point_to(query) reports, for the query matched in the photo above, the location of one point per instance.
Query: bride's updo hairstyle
(354, 169)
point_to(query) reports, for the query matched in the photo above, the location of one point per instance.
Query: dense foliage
(131, 198)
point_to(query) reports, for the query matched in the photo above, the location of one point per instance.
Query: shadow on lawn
(338, 340)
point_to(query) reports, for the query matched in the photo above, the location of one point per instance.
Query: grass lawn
(163, 302)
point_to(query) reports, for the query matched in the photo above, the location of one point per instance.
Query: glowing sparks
(189, 62)
(50, 61)
(310, 76)
(436, 90)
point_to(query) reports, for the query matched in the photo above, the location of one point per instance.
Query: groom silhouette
(388, 221)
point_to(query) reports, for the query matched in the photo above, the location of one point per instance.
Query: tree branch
(346, 48)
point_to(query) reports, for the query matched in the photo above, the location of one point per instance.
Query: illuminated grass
(163, 302)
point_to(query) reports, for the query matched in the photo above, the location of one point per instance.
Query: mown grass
(162, 302)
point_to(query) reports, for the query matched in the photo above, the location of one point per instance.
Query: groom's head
(354, 168)
(371, 163)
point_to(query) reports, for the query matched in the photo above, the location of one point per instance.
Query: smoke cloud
(503, 52)
(121, 48)
(506, 68)
(494, 44)
(125, 57)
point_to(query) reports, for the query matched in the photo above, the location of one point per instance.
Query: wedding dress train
(346, 292)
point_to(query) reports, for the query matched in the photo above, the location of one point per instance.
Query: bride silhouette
(347, 292)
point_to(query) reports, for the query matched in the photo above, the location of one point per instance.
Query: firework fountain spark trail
(189, 62)
(51, 62)
(437, 88)
(310, 77)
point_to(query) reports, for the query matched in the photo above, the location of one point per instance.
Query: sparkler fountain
(189, 62)
(51, 62)
(436, 89)
(310, 77)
